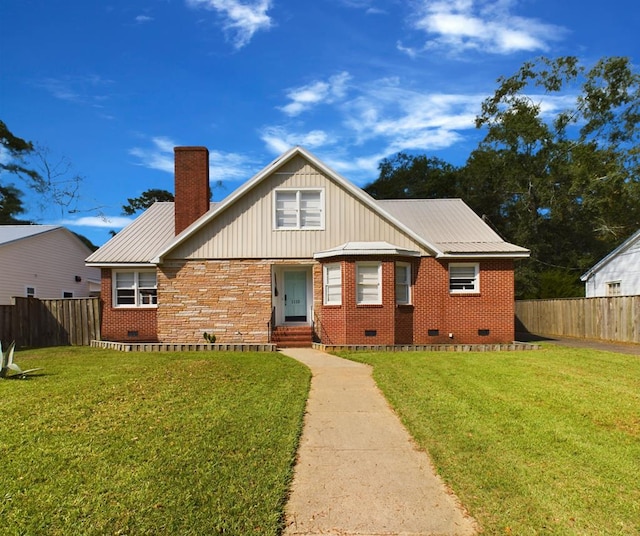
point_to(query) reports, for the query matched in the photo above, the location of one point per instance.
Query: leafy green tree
(414, 177)
(146, 199)
(11, 206)
(569, 180)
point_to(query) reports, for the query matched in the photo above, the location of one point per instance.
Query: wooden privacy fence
(36, 323)
(610, 319)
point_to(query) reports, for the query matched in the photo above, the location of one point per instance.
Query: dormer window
(299, 209)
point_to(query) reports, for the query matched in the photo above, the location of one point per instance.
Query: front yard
(542, 442)
(105, 442)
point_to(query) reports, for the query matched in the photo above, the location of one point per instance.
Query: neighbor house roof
(12, 233)
(629, 242)
(446, 227)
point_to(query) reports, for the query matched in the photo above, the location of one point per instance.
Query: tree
(51, 179)
(18, 149)
(414, 177)
(10, 206)
(146, 199)
(568, 181)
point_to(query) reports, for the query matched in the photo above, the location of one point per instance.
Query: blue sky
(113, 86)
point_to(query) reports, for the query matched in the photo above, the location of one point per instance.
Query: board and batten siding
(48, 262)
(246, 228)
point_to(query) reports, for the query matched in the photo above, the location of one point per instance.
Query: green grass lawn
(108, 443)
(541, 442)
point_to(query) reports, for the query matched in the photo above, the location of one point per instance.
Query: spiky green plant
(10, 369)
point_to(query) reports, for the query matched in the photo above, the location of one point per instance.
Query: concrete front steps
(292, 336)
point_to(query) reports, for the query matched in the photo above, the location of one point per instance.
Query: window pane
(402, 273)
(333, 284)
(125, 279)
(148, 297)
(310, 209)
(463, 278)
(286, 210)
(147, 279)
(125, 297)
(368, 283)
(310, 219)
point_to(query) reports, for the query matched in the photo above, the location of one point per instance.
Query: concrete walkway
(358, 471)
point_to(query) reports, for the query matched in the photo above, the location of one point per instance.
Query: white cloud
(376, 120)
(159, 156)
(367, 5)
(241, 19)
(223, 166)
(279, 140)
(305, 97)
(86, 90)
(407, 118)
(143, 18)
(109, 222)
(484, 25)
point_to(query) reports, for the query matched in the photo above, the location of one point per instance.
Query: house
(617, 274)
(44, 261)
(299, 246)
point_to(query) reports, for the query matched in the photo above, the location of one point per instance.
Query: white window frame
(361, 298)
(614, 288)
(332, 284)
(403, 268)
(139, 294)
(299, 211)
(474, 281)
(30, 291)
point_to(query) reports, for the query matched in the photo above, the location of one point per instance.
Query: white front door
(295, 296)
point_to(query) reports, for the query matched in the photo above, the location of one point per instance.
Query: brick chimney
(192, 191)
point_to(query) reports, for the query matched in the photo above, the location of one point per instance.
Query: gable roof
(13, 233)
(428, 221)
(628, 243)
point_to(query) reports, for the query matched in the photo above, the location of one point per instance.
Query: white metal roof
(451, 226)
(366, 248)
(11, 233)
(140, 240)
(446, 227)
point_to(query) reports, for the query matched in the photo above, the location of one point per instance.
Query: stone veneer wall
(229, 298)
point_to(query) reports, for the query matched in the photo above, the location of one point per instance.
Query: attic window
(299, 209)
(613, 288)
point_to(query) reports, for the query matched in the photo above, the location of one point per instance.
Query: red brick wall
(192, 190)
(462, 315)
(433, 307)
(120, 323)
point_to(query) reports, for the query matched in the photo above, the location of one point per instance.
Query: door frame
(278, 292)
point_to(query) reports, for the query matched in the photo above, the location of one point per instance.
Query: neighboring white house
(44, 261)
(618, 274)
